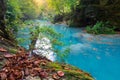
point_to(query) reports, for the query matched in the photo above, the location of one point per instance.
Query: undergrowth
(101, 28)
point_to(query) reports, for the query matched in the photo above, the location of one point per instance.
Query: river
(97, 54)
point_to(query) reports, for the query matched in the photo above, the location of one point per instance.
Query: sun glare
(40, 2)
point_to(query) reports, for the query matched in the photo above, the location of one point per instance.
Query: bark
(3, 31)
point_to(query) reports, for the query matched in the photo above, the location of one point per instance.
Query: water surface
(97, 54)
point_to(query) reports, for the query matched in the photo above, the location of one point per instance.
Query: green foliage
(20, 40)
(21, 9)
(13, 51)
(62, 54)
(53, 35)
(56, 43)
(49, 32)
(110, 11)
(55, 65)
(88, 12)
(101, 28)
(13, 14)
(62, 6)
(17, 12)
(29, 9)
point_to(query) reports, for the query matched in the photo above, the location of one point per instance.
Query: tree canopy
(74, 12)
(14, 12)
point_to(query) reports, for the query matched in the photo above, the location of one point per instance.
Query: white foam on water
(77, 48)
(44, 47)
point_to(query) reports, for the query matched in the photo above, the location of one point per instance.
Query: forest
(93, 26)
(100, 15)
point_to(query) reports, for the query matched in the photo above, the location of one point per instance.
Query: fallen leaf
(43, 74)
(8, 55)
(37, 69)
(18, 66)
(3, 76)
(37, 62)
(26, 71)
(43, 63)
(55, 76)
(60, 73)
(66, 68)
(11, 77)
(3, 50)
(1, 58)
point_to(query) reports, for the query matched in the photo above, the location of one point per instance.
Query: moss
(12, 50)
(54, 65)
(78, 74)
(71, 72)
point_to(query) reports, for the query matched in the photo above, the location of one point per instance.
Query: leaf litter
(21, 65)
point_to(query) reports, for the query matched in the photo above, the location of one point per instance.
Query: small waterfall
(43, 47)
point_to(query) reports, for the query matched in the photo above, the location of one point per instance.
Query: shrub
(101, 28)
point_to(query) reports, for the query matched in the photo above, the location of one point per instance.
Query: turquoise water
(96, 54)
(23, 37)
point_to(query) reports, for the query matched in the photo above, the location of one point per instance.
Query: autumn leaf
(19, 66)
(3, 76)
(3, 50)
(8, 55)
(26, 71)
(60, 73)
(43, 74)
(11, 77)
(55, 76)
(37, 69)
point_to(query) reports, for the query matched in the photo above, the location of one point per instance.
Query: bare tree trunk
(3, 31)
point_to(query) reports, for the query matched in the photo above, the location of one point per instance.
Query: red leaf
(3, 50)
(43, 63)
(3, 76)
(55, 76)
(43, 74)
(11, 77)
(37, 69)
(37, 62)
(26, 72)
(8, 55)
(60, 73)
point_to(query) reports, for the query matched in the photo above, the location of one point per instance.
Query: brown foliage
(18, 66)
(3, 50)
